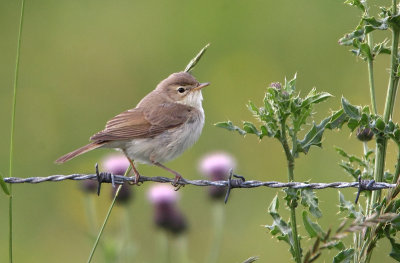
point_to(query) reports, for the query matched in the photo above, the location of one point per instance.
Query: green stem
(90, 213)
(381, 142)
(129, 250)
(106, 219)
(164, 247)
(181, 244)
(370, 248)
(356, 247)
(372, 82)
(364, 247)
(10, 220)
(379, 166)
(368, 203)
(392, 89)
(218, 220)
(371, 70)
(393, 82)
(361, 241)
(293, 204)
(16, 73)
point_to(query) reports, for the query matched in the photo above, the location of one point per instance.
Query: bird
(165, 123)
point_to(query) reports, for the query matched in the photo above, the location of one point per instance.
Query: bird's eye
(181, 90)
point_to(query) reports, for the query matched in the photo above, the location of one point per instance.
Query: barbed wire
(240, 182)
(234, 183)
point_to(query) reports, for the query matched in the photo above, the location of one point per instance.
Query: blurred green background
(82, 62)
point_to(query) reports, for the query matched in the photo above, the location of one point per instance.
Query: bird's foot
(178, 177)
(136, 172)
(136, 180)
(176, 182)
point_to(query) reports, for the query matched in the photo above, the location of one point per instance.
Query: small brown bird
(163, 125)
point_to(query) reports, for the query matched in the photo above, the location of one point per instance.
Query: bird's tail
(79, 151)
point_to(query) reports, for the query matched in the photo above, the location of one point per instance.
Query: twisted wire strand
(232, 183)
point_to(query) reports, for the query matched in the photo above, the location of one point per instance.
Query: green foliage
(395, 253)
(313, 137)
(310, 200)
(345, 256)
(279, 226)
(349, 208)
(358, 116)
(356, 166)
(283, 115)
(313, 229)
(282, 104)
(353, 112)
(292, 196)
(358, 3)
(229, 126)
(358, 38)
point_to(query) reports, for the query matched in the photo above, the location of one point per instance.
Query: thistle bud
(166, 213)
(276, 85)
(124, 195)
(89, 186)
(216, 167)
(364, 134)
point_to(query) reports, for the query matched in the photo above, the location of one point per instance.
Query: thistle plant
(372, 164)
(284, 115)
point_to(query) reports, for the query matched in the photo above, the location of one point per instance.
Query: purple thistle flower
(216, 167)
(162, 193)
(115, 164)
(166, 214)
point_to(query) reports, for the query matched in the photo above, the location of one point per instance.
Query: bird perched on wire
(161, 127)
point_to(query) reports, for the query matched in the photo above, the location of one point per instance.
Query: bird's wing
(144, 123)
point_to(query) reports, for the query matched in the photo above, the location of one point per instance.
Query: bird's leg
(178, 176)
(135, 171)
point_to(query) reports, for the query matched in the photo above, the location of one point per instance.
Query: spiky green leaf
(313, 229)
(313, 137)
(357, 3)
(344, 256)
(279, 226)
(230, 127)
(314, 97)
(351, 110)
(249, 127)
(348, 207)
(310, 200)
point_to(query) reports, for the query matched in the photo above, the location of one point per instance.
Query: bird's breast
(169, 144)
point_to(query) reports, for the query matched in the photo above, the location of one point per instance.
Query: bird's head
(181, 87)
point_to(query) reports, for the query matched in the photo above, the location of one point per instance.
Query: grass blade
(10, 204)
(196, 59)
(106, 219)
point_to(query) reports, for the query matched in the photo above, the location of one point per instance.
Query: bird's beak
(202, 85)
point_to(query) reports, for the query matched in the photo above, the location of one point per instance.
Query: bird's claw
(176, 182)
